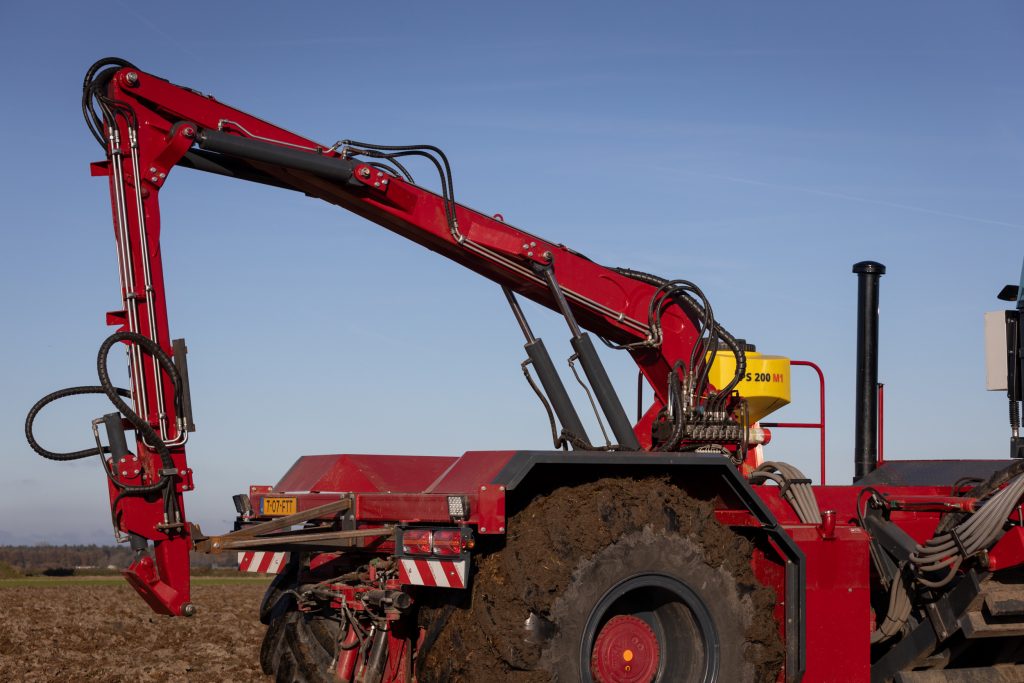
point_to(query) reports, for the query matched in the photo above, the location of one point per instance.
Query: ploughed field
(81, 629)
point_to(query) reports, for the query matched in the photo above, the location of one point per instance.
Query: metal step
(1005, 600)
(996, 612)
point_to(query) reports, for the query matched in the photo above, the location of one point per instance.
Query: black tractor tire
(638, 551)
(298, 647)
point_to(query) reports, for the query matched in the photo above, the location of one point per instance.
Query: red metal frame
(168, 120)
(388, 491)
(820, 424)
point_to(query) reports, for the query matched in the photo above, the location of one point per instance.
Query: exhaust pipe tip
(869, 268)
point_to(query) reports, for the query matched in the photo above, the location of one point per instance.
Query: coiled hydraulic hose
(682, 293)
(115, 394)
(55, 396)
(695, 309)
(166, 364)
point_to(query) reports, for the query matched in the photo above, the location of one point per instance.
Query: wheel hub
(625, 651)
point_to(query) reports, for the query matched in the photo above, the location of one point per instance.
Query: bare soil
(82, 631)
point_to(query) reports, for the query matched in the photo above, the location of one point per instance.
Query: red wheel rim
(625, 651)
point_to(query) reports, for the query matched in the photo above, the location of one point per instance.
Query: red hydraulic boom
(664, 551)
(149, 125)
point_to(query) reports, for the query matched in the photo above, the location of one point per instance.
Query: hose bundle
(952, 544)
(686, 393)
(795, 488)
(948, 550)
(897, 612)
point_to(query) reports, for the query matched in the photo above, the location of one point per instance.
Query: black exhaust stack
(866, 437)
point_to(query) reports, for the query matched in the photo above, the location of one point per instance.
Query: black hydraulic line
(164, 361)
(389, 169)
(115, 430)
(92, 85)
(55, 396)
(675, 393)
(866, 426)
(332, 168)
(696, 311)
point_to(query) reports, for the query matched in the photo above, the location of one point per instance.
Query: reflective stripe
(433, 573)
(257, 560)
(426, 577)
(275, 563)
(460, 571)
(437, 571)
(413, 572)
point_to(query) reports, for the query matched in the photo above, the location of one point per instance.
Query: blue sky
(758, 149)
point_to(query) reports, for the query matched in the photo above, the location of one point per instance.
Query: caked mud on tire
(582, 555)
(298, 647)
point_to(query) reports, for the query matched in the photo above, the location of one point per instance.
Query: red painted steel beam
(604, 301)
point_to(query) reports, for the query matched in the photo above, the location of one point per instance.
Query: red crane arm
(172, 119)
(152, 125)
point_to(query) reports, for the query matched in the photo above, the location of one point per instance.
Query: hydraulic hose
(948, 550)
(796, 488)
(91, 86)
(983, 489)
(115, 394)
(55, 396)
(897, 613)
(694, 309)
(676, 392)
(153, 349)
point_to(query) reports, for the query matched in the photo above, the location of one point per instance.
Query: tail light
(416, 541)
(448, 542)
(445, 542)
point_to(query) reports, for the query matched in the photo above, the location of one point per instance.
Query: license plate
(277, 507)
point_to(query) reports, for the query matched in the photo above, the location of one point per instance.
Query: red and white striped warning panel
(439, 573)
(262, 563)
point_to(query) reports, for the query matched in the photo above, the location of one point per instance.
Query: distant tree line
(68, 559)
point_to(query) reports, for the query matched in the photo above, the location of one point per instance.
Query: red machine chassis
(364, 503)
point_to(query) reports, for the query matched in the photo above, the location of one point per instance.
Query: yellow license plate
(277, 507)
